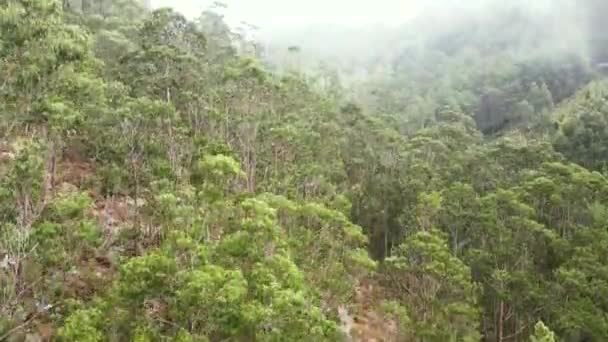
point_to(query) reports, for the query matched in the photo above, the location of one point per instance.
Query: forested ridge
(164, 179)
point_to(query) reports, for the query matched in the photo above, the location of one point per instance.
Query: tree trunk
(501, 314)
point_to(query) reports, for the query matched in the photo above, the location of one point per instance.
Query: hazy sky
(296, 12)
(320, 24)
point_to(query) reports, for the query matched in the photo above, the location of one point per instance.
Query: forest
(164, 178)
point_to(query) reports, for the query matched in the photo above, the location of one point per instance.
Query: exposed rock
(346, 322)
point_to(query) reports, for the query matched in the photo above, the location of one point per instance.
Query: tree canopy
(162, 180)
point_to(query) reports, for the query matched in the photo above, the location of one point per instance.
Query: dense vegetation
(158, 183)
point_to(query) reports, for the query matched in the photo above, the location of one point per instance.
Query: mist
(277, 14)
(350, 35)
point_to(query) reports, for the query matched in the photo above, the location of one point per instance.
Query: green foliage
(71, 206)
(582, 123)
(82, 326)
(23, 183)
(160, 183)
(248, 287)
(47, 68)
(542, 333)
(430, 279)
(325, 244)
(400, 315)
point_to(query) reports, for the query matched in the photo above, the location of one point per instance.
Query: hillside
(166, 179)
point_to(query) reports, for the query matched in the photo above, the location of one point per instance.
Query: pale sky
(275, 13)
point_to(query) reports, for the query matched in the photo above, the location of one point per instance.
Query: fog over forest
(363, 29)
(304, 171)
